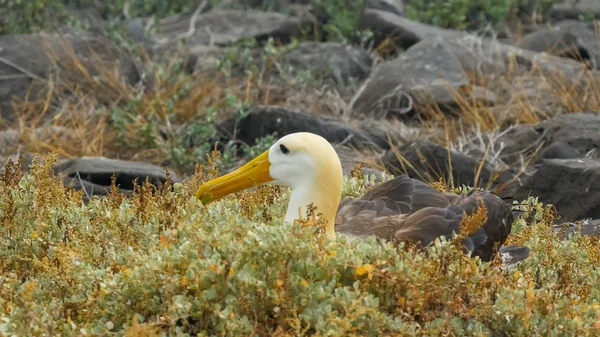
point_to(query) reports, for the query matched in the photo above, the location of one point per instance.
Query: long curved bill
(253, 173)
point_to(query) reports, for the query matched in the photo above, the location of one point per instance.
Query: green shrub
(341, 17)
(27, 16)
(157, 263)
(461, 14)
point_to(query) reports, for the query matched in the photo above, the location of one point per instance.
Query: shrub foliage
(157, 263)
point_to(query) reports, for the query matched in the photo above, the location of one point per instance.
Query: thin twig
(192, 26)
(192, 29)
(21, 69)
(15, 76)
(83, 186)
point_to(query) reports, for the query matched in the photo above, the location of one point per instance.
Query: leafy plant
(28, 16)
(462, 14)
(341, 17)
(158, 263)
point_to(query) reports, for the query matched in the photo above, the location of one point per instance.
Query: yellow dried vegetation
(158, 263)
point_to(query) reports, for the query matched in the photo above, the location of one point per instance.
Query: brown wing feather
(405, 209)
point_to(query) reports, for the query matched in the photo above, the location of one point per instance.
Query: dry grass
(174, 99)
(476, 129)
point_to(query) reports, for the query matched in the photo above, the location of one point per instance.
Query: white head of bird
(303, 161)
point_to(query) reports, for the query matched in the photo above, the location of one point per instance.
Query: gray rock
(390, 6)
(575, 9)
(577, 130)
(549, 40)
(276, 6)
(428, 71)
(584, 228)
(265, 120)
(430, 161)
(568, 39)
(488, 57)
(571, 185)
(587, 40)
(402, 31)
(572, 135)
(8, 140)
(94, 174)
(560, 150)
(333, 60)
(223, 27)
(511, 255)
(25, 63)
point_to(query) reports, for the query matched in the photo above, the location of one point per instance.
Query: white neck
(321, 198)
(299, 200)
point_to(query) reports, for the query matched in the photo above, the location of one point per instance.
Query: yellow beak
(253, 173)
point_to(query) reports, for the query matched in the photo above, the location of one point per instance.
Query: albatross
(400, 209)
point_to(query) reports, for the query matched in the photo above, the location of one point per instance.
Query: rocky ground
(516, 111)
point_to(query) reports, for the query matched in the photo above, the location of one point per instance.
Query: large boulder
(94, 175)
(571, 39)
(401, 30)
(391, 6)
(429, 161)
(567, 136)
(571, 185)
(336, 61)
(574, 10)
(428, 71)
(266, 120)
(223, 27)
(487, 57)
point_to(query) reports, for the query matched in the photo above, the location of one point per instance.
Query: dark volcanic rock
(583, 228)
(575, 9)
(513, 254)
(430, 161)
(26, 63)
(265, 120)
(223, 27)
(337, 61)
(568, 136)
(94, 174)
(571, 185)
(427, 71)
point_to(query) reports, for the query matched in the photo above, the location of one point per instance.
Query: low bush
(157, 263)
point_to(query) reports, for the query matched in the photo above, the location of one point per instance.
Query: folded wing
(405, 209)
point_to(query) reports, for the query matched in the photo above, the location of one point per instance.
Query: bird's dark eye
(284, 149)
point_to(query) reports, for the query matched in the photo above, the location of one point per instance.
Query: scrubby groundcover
(157, 263)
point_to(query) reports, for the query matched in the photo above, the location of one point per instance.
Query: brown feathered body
(406, 209)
